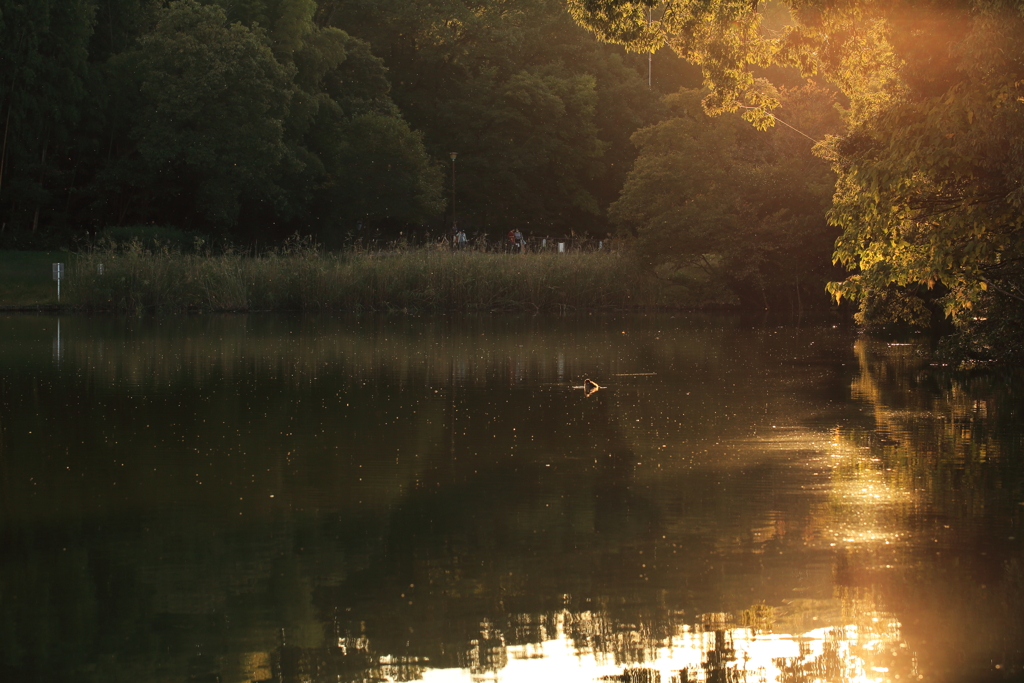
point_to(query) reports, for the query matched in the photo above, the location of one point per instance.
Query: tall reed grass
(301, 277)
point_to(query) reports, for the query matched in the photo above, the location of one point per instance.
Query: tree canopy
(262, 117)
(929, 186)
(213, 101)
(748, 208)
(538, 111)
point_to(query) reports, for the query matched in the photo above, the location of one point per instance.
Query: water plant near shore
(302, 277)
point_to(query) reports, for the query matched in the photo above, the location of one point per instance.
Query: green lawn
(26, 277)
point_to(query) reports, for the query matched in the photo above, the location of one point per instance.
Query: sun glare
(849, 653)
(863, 505)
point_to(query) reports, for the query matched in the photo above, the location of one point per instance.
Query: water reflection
(250, 498)
(569, 646)
(58, 346)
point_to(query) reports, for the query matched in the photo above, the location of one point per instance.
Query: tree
(380, 175)
(365, 164)
(538, 112)
(722, 36)
(246, 117)
(747, 208)
(929, 192)
(256, 116)
(211, 102)
(43, 72)
(341, 126)
(289, 22)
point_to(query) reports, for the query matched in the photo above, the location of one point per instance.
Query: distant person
(518, 240)
(460, 239)
(512, 239)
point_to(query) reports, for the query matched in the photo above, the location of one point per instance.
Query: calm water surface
(257, 498)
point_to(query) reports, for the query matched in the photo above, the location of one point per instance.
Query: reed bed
(134, 278)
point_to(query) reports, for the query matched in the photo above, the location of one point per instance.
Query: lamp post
(453, 155)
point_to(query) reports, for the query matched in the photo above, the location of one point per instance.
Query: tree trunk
(42, 170)
(3, 154)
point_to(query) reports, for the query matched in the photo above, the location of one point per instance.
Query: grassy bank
(26, 277)
(303, 278)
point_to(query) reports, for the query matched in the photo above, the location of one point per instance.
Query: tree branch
(999, 289)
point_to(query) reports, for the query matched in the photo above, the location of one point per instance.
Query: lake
(399, 498)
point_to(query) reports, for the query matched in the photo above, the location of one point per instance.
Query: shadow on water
(469, 546)
(256, 498)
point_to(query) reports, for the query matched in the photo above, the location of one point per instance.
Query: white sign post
(58, 275)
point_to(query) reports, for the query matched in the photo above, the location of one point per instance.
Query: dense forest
(257, 119)
(260, 118)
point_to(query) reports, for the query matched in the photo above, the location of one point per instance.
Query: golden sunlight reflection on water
(852, 640)
(852, 653)
(864, 498)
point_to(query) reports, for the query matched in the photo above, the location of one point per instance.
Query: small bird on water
(589, 386)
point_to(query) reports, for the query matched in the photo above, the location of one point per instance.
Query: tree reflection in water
(268, 498)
